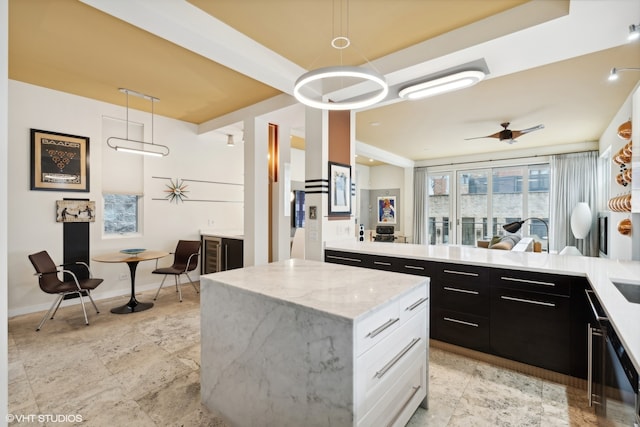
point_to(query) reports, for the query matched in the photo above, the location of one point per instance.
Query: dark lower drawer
(471, 297)
(532, 328)
(463, 329)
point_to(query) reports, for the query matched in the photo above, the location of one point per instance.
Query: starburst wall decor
(176, 191)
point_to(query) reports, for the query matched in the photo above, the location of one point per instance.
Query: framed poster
(339, 189)
(59, 162)
(75, 211)
(387, 209)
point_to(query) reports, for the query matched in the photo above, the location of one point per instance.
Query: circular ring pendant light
(340, 72)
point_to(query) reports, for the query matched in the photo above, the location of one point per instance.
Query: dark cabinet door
(211, 253)
(460, 328)
(232, 254)
(532, 328)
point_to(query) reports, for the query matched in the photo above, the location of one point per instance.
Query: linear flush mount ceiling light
(613, 75)
(340, 73)
(441, 85)
(133, 145)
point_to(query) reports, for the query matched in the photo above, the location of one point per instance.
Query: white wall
(4, 185)
(31, 214)
(297, 165)
(619, 245)
(387, 176)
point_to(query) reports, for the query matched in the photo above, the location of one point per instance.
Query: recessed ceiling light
(375, 123)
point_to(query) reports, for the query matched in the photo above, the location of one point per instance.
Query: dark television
(603, 234)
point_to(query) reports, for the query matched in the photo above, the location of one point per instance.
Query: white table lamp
(580, 226)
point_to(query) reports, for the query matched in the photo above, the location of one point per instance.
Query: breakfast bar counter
(302, 342)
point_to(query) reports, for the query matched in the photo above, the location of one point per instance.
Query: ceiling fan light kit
(440, 85)
(145, 148)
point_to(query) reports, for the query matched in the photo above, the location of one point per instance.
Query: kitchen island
(599, 272)
(308, 343)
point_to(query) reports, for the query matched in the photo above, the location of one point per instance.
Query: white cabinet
(391, 362)
(304, 343)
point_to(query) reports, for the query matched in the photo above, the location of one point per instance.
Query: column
(330, 137)
(256, 192)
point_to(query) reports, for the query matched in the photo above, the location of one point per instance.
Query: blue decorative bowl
(132, 251)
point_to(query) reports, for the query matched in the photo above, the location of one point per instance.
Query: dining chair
(185, 260)
(47, 273)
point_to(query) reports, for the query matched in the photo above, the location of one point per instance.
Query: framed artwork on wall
(75, 211)
(339, 189)
(59, 162)
(387, 209)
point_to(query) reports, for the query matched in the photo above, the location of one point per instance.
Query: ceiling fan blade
(517, 133)
(495, 135)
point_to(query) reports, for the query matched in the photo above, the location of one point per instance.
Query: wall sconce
(230, 141)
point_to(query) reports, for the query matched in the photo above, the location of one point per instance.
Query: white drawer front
(401, 399)
(380, 367)
(415, 301)
(376, 327)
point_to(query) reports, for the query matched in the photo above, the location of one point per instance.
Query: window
(466, 205)
(121, 213)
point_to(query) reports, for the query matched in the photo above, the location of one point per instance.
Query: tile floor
(143, 370)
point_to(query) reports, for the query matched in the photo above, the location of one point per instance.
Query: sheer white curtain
(419, 205)
(573, 180)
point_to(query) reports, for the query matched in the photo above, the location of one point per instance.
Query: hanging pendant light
(325, 74)
(133, 145)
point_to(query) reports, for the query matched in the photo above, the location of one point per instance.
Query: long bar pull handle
(396, 358)
(344, 258)
(590, 364)
(381, 263)
(533, 282)
(593, 307)
(462, 322)
(463, 273)
(416, 304)
(414, 391)
(529, 301)
(381, 328)
(414, 267)
(465, 291)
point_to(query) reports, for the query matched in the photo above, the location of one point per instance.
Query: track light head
(634, 32)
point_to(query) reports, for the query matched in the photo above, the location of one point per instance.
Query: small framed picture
(59, 162)
(339, 189)
(387, 210)
(75, 211)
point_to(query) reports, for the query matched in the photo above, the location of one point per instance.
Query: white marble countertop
(624, 315)
(227, 234)
(340, 291)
